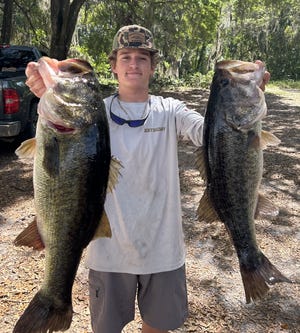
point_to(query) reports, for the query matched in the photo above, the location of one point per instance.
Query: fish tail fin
(42, 316)
(256, 282)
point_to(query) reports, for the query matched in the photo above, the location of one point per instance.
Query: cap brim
(152, 50)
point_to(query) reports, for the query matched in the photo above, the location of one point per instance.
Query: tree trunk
(63, 21)
(7, 22)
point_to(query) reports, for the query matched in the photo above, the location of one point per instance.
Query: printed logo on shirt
(156, 129)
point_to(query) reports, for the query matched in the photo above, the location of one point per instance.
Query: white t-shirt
(144, 209)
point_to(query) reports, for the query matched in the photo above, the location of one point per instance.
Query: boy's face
(133, 68)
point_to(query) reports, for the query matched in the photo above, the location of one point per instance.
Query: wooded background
(191, 34)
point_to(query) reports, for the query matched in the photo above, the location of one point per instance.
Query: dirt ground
(216, 296)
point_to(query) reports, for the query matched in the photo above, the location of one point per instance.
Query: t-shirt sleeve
(189, 123)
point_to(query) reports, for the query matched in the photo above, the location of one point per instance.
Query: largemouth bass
(232, 164)
(71, 170)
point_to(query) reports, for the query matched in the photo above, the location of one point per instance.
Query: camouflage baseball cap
(134, 36)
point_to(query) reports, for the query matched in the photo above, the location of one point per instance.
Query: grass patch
(285, 84)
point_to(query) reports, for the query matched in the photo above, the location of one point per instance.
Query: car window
(15, 60)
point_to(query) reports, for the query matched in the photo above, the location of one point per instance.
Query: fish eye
(224, 82)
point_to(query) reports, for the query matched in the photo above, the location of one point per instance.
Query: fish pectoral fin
(206, 211)
(268, 139)
(265, 207)
(200, 162)
(30, 237)
(103, 229)
(114, 173)
(27, 149)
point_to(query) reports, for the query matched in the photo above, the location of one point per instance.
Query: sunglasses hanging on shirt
(131, 123)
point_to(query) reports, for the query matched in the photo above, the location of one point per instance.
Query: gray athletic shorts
(161, 297)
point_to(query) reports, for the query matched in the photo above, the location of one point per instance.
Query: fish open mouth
(61, 128)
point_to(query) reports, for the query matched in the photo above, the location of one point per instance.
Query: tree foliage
(268, 30)
(191, 34)
(30, 23)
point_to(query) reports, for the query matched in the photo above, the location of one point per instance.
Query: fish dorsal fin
(30, 237)
(206, 211)
(114, 173)
(103, 229)
(268, 139)
(265, 207)
(27, 149)
(200, 162)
